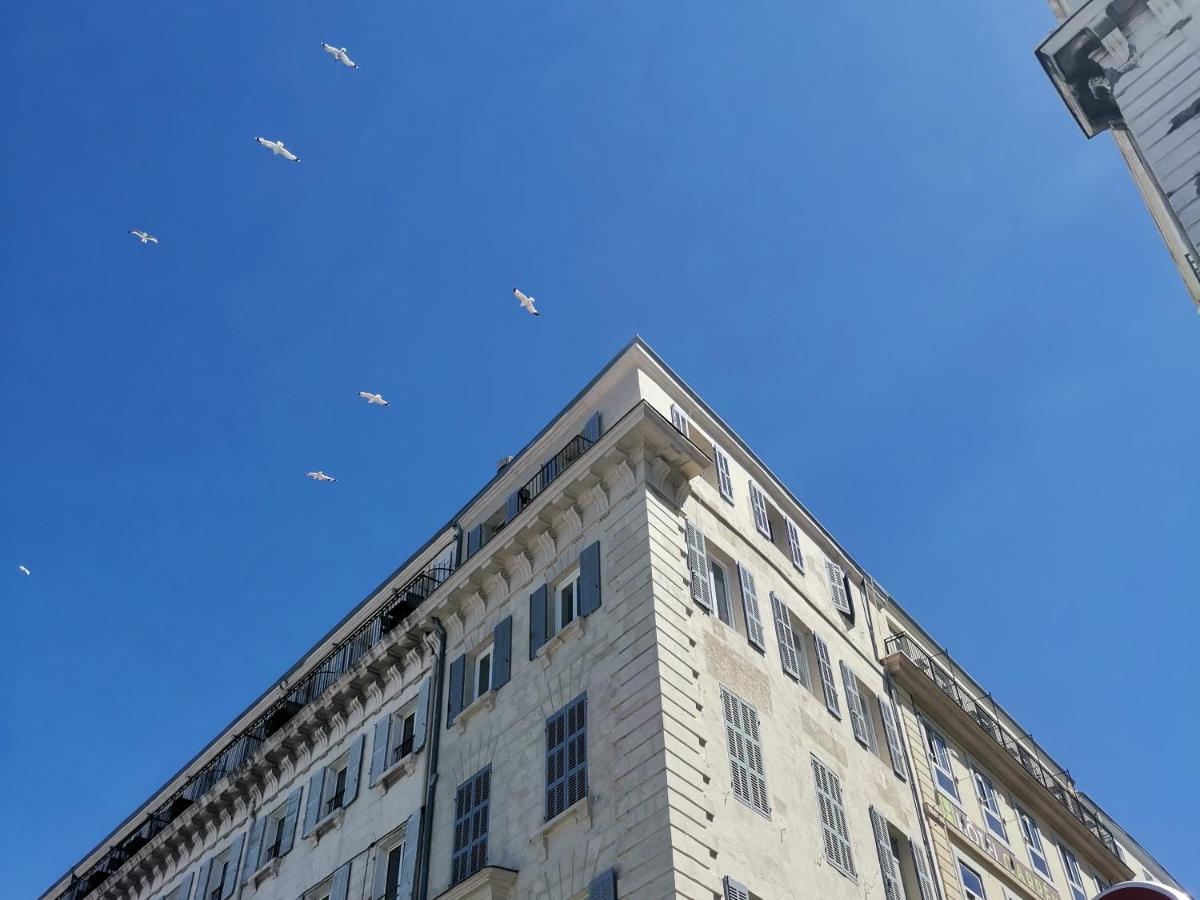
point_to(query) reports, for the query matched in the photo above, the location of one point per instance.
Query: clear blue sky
(868, 234)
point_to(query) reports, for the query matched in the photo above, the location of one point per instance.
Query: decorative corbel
(544, 546)
(474, 607)
(496, 586)
(598, 498)
(520, 568)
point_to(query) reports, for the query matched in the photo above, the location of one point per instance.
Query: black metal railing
(405, 748)
(989, 722)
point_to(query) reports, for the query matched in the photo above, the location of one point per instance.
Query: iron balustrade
(989, 722)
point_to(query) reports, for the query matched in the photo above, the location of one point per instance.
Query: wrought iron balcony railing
(989, 722)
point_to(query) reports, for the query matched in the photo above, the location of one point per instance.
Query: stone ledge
(483, 701)
(267, 870)
(579, 811)
(396, 771)
(489, 883)
(573, 630)
(329, 823)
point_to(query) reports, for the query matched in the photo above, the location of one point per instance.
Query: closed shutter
(787, 640)
(591, 429)
(923, 879)
(679, 420)
(724, 482)
(513, 507)
(837, 587)
(539, 606)
(589, 579)
(747, 772)
(828, 686)
(408, 863)
(341, 883)
(754, 628)
(421, 713)
(474, 540)
(758, 502)
(379, 748)
(231, 870)
(893, 737)
(502, 653)
(735, 890)
(253, 849)
(854, 703)
(471, 803)
(458, 674)
(290, 818)
(697, 554)
(185, 887)
(202, 880)
(603, 886)
(353, 768)
(893, 887)
(566, 757)
(312, 809)
(833, 819)
(793, 536)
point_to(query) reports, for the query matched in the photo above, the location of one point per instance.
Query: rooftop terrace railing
(989, 722)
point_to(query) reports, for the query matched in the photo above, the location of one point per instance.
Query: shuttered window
(603, 886)
(828, 686)
(679, 420)
(1074, 876)
(471, 826)
(787, 640)
(833, 820)
(924, 881)
(754, 628)
(854, 703)
(893, 886)
(735, 890)
(742, 738)
(837, 587)
(724, 482)
(758, 502)
(793, 536)
(697, 555)
(892, 733)
(566, 757)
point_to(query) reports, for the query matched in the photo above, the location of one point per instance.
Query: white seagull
(278, 149)
(144, 236)
(526, 302)
(340, 55)
(373, 399)
(320, 476)
(23, 570)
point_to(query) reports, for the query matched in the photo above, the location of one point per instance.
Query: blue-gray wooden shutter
(828, 685)
(833, 819)
(893, 887)
(202, 880)
(837, 588)
(603, 886)
(379, 748)
(735, 890)
(697, 555)
(458, 673)
(353, 768)
(421, 715)
(589, 579)
(474, 540)
(854, 702)
(502, 653)
(591, 429)
(539, 605)
(185, 887)
(793, 536)
(290, 818)
(231, 872)
(758, 503)
(893, 737)
(785, 636)
(923, 879)
(341, 883)
(754, 628)
(471, 812)
(514, 506)
(408, 863)
(312, 809)
(724, 482)
(253, 849)
(566, 757)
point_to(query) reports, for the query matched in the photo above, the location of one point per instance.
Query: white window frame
(1033, 843)
(396, 734)
(989, 803)
(1074, 875)
(218, 868)
(392, 843)
(936, 746)
(571, 581)
(340, 766)
(963, 868)
(713, 567)
(274, 829)
(481, 659)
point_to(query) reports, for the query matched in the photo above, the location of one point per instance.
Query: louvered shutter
(679, 420)
(724, 482)
(353, 768)
(591, 429)
(421, 713)
(828, 686)
(253, 850)
(471, 804)
(566, 757)
(474, 540)
(185, 887)
(787, 640)
(833, 819)
(589, 579)
(539, 605)
(312, 809)
(837, 587)
(754, 628)
(923, 879)
(341, 883)
(513, 507)
(202, 880)
(854, 703)
(235, 856)
(735, 890)
(603, 886)
(502, 653)
(793, 536)
(697, 554)
(408, 863)
(746, 768)
(758, 502)
(290, 818)
(893, 737)
(379, 748)
(893, 888)
(458, 674)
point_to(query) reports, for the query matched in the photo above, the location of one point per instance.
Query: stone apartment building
(633, 665)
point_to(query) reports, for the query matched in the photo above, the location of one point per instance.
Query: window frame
(1032, 836)
(558, 754)
(989, 804)
(396, 739)
(933, 738)
(713, 566)
(472, 805)
(970, 894)
(573, 582)
(1073, 872)
(339, 768)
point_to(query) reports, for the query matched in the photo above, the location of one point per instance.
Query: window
(335, 787)
(720, 589)
(1033, 840)
(747, 773)
(273, 834)
(892, 735)
(990, 803)
(471, 804)
(758, 502)
(272, 846)
(941, 763)
(335, 887)
(860, 716)
(181, 890)
(794, 548)
(679, 420)
(390, 863)
(972, 883)
(734, 889)
(404, 725)
(566, 757)
(837, 588)
(566, 602)
(1101, 884)
(214, 875)
(724, 482)
(833, 820)
(889, 859)
(1074, 876)
(479, 681)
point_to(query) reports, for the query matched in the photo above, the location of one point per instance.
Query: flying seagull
(373, 399)
(23, 570)
(320, 476)
(278, 149)
(340, 55)
(1184, 116)
(526, 303)
(144, 236)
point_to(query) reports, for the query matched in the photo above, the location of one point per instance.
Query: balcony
(935, 685)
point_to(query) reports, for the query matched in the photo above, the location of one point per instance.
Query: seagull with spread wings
(526, 303)
(144, 236)
(278, 149)
(340, 54)
(373, 399)
(319, 476)
(23, 570)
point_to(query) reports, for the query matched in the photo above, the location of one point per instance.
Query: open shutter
(421, 714)
(787, 640)
(185, 887)
(202, 880)
(290, 818)
(591, 429)
(458, 674)
(735, 890)
(679, 420)
(539, 604)
(474, 540)
(408, 863)
(502, 653)
(724, 482)
(754, 628)
(253, 849)
(353, 768)
(837, 588)
(514, 506)
(858, 721)
(603, 886)
(235, 855)
(379, 879)
(697, 554)
(833, 818)
(589, 579)
(923, 879)
(379, 748)
(828, 686)
(893, 737)
(892, 885)
(793, 536)
(758, 502)
(312, 809)
(341, 883)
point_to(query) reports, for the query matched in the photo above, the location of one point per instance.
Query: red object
(1141, 890)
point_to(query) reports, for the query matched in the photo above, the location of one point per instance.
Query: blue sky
(868, 234)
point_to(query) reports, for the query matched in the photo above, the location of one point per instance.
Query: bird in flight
(144, 236)
(526, 303)
(373, 399)
(23, 570)
(278, 149)
(340, 55)
(320, 476)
